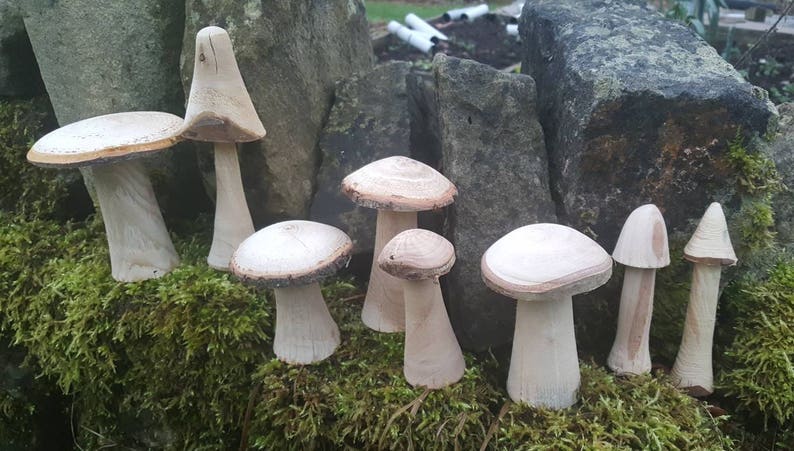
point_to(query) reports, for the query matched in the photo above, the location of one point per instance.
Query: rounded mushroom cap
(103, 138)
(711, 243)
(219, 108)
(399, 184)
(417, 254)
(545, 261)
(643, 240)
(291, 253)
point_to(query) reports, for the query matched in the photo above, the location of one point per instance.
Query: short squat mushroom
(542, 266)
(433, 358)
(398, 187)
(642, 248)
(709, 249)
(219, 110)
(291, 257)
(139, 244)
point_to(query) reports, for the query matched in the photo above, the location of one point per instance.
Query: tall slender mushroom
(709, 249)
(139, 244)
(219, 110)
(291, 257)
(432, 358)
(543, 266)
(398, 187)
(642, 248)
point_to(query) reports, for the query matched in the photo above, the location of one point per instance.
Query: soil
(484, 40)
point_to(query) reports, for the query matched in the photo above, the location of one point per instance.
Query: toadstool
(432, 358)
(642, 248)
(138, 241)
(398, 187)
(543, 266)
(219, 110)
(709, 249)
(291, 257)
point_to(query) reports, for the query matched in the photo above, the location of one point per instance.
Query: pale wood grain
(711, 242)
(643, 240)
(417, 254)
(305, 331)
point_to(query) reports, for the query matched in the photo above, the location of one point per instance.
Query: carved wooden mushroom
(291, 257)
(219, 110)
(139, 244)
(543, 266)
(709, 249)
(642, 248)
(398, 187)
(433, 358)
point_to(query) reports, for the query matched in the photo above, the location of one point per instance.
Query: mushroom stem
(544, 366)
(233, 221)
(305, 331)
(139, 244)
(630, 353)
(384, 306)
(692, 366)
(432, 354)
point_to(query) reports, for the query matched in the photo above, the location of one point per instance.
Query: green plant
(769, 67)
(783, 94)
(694, 12)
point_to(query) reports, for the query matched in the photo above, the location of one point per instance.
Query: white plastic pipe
(474, 12)
(512, 29)
(416, 22)
(415, 38)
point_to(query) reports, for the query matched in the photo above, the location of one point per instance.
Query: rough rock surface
(290, 53)
(636, 109)
(19, 75)
(781, 151)
(493, 151)
(368, 121)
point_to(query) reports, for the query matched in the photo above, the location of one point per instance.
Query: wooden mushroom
(398, 187)
(219, 110)
(291, 257)
(709, 249)
(107, 146)
(543, 266)
(433, 358)
(642, 248)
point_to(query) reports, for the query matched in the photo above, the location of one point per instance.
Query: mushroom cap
(399, 184)
(539, 262)
(219, 108)
(417, 254)
(291, 253)
(104, 138)
(711, 243)
(643, 240)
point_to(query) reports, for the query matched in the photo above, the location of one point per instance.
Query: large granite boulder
(368, 121)
(493, 151)
(781, 151)
(290, 53)
(19, 75)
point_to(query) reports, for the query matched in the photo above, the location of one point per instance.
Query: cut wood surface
(417, 254)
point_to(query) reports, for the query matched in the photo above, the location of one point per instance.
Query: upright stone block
(19, 74)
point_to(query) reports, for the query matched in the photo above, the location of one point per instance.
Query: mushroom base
(139, 243)
(544, 366)
(305, 331)
(630, 352)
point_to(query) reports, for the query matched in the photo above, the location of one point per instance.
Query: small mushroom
(642, 248)
(139, 244)
(543, 266)
(219, 110)
(709, 249)
(433, 358)
(398, 187)
(291, 257)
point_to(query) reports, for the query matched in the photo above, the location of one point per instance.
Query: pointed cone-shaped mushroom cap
(711, 243)
(219, 108)
(537, 261)
(399, 184)
(104, 138)
(417, 254)
(643, 240)
(291, 253)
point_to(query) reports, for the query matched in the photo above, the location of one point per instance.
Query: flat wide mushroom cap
(219, 108)
(291, 253)
(399, 184)
(711, 243)
(539, 262)
(417, 254)
(643, 240)
(104, 138)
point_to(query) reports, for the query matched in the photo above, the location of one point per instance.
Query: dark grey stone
(19, 74)
(781, 151)
(493, 151)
